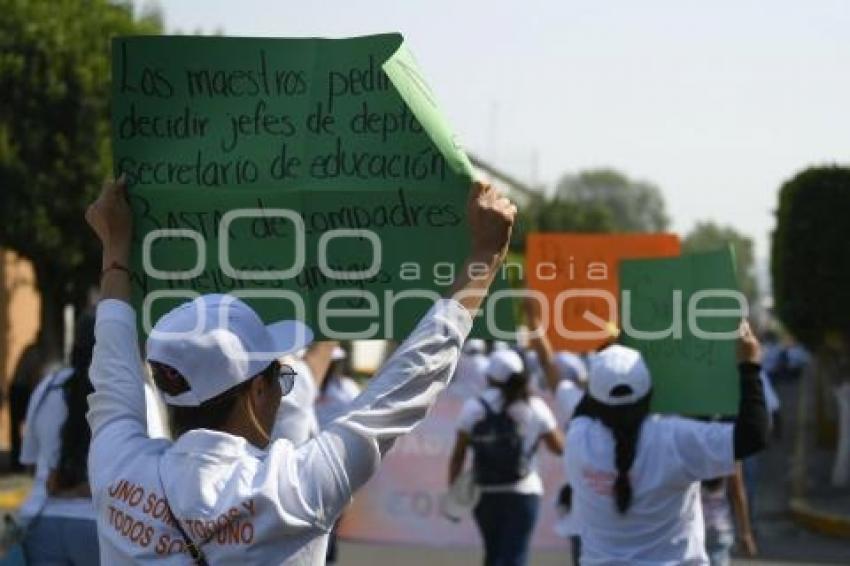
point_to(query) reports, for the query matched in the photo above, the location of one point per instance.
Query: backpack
(498, 455)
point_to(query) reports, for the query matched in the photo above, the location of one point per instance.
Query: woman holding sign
(224, 492)
(636, 477)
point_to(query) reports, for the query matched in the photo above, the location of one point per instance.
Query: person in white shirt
(720, 497)
(336, 393)
(504, 427)
(565, 375)
(337, 390)
(58, 516)
(469, 378)
(565, 372)
(635, 476)
(225, 492)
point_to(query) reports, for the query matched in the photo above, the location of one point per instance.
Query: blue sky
(716, 102)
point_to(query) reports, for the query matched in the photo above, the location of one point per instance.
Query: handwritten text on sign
(284, 168)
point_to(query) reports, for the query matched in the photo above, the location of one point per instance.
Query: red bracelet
(115, 265)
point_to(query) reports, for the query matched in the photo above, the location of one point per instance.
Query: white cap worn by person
(618, 376)
(503, 364)
(474, 346)
(570, 366)
(338, 354)
(217, 342)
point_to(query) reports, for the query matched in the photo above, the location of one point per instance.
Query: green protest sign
(683, 313)
(305, 175)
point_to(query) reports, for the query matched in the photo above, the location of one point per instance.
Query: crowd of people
(262, 439)
(639, 488)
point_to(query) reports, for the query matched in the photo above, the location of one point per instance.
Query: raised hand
(111, 219)
(491, 218)
(749, 348)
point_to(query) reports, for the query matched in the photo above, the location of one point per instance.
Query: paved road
(352, 554)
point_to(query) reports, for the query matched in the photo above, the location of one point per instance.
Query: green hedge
(810, 261)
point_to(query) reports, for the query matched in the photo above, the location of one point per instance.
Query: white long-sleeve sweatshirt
(240, 503)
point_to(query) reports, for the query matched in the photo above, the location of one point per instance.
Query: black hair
(514, 389)
(72, 468)
(212, 413)
(625, 422)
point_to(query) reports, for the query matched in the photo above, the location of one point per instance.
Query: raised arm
(399, 396)
(116, 370)
(540, 342)
(111, 219)
(752, 422)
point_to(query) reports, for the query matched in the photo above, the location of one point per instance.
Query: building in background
(20, 309)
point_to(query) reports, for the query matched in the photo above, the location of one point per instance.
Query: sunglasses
(286, 377)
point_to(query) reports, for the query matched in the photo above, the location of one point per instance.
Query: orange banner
(579, 275)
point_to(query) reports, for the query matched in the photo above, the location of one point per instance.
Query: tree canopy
(810, 257)
(709, 236)
(54, 137)
(555, 215)
(633, 206)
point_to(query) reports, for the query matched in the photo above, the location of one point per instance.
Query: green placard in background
(692, 375)
(216, 132)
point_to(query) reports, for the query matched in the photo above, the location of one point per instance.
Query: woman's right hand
(749, 348)
(111, 219)
(491, 217)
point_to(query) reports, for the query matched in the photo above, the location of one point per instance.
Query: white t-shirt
(296, 417)
(664, 524)
(716, 510)
(41, 447)
(340, 391)
(567, 397)
(534, 419)
(271, 506)
(536, 375)
(470, 377)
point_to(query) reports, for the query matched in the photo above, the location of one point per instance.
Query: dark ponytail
(514, 389)
(625, 422)
(72, 468)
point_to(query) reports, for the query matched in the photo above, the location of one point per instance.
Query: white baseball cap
(474, 346)
(570, 366)
(618, 376)
(338, 354)
(503, 364)
(217, 342)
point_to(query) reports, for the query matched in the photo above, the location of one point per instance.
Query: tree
(634, 206)
(554, 215)
(810, 265)
(708, 236)
(810, 261)
(54, 138)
